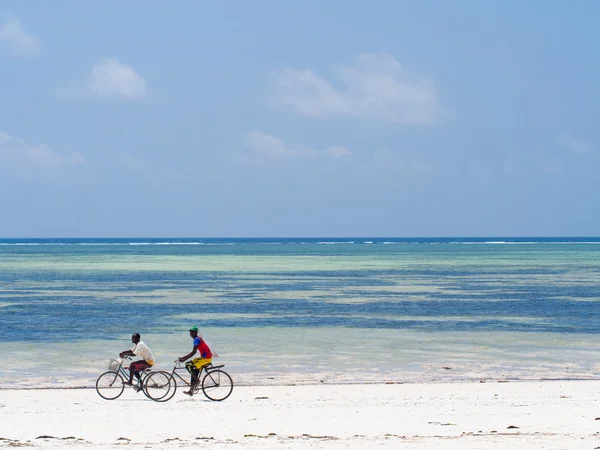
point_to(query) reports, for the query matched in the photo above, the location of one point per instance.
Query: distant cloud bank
(377, 87)
(266, 146)
(16, 154)
(110, 78)
(17, 40)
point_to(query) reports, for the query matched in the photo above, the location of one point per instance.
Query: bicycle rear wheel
(160, 386)
(109, 385)
(217, 385)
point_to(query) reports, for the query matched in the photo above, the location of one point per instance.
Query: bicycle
(216, 384)
(111, 384)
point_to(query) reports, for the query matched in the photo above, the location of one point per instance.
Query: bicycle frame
(115, 378)
(178, 366)
(211, 383)
(124, 371)
(121, 370)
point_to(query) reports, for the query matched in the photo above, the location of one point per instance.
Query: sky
(299, 119)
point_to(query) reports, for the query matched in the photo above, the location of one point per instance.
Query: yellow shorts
(150, 361)
(201, 362)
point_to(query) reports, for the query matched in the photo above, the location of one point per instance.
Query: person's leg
(138, 374)
(199, 363)
(191, 368)
(135, 368)
(131, 372)
(142, 366)
(195, 376)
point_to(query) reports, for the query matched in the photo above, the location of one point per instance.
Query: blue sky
(312, 118)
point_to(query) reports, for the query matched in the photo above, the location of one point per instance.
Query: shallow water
(304, 311)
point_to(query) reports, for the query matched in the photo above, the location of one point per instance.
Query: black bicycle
(216, 384)
(111, 384)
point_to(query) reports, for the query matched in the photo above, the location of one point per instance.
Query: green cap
(194, 329)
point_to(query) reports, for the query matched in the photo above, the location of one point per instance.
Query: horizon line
(310, 237)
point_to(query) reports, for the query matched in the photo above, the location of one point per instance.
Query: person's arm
(126, 353)
(189, 355)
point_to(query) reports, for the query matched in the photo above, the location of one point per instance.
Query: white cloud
(110, 78)
(574, 145)
(16, 154)
(338, 151)
(377, 87)
(13, 36)
(269, 146)
(113, 78)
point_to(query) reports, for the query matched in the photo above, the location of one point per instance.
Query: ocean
(303, 311)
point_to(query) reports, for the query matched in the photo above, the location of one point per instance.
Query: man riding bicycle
(138, 349)
(202, 356)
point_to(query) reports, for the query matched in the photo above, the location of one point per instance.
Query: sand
(516, 415)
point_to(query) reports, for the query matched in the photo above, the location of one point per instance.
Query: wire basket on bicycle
(113, 364)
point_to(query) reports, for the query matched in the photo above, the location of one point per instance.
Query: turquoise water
(304, 310)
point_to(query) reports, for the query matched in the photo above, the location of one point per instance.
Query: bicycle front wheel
(160, 386)
(217, 385)
(109, 385)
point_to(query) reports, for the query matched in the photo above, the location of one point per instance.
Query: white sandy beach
(527, 415)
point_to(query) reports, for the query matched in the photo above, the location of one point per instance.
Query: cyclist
(139, 349)
(201, 357)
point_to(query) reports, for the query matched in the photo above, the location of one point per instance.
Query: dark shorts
(138, 366)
